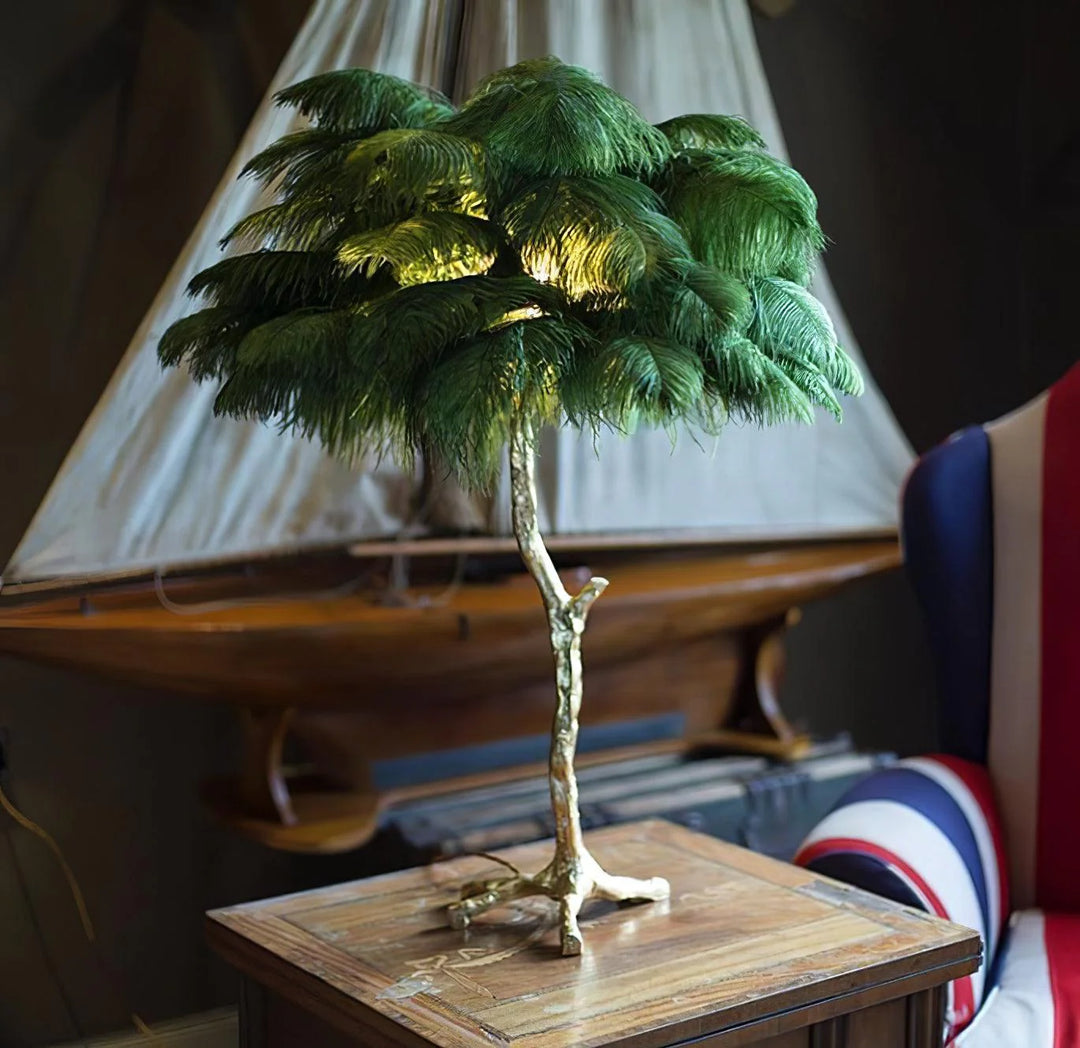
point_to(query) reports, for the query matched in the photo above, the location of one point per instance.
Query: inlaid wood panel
(747, 949)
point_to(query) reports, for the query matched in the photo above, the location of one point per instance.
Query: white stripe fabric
(980, 829)
(1016, 457)
(895, 828)
(1019, 1013)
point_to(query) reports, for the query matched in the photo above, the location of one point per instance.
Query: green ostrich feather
(430, 276)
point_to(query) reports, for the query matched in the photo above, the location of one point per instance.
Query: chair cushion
(923, 832)
(1035, 999)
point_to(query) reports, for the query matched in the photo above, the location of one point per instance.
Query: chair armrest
(924, 832)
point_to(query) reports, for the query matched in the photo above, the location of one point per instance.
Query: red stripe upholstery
(926, 832)
(1062, 934)
(977, 779)
(923, 832)
(1036, 1002)
(1057, 861)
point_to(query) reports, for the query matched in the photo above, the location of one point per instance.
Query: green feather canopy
(428, 274)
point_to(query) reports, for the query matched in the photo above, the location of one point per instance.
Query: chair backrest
(991, 524)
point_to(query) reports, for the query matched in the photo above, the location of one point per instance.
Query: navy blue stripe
(919, 792)
(867, 872)
(949, 552)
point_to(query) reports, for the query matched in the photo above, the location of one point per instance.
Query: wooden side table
(749, 951)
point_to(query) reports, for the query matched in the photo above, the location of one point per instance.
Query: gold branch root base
(569, 880)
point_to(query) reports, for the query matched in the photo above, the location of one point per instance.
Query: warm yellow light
(525, 313)
(587, 263)
(446, 265)
(542, 267)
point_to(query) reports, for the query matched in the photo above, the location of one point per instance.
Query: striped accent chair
(988, 833)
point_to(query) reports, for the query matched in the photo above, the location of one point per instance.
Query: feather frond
(753, 387)
(632, 380)
(305, 223)
(270, 280)
(543, 118)
(410, 166)
(428, 274)
(746, 213)
(591, 236)
(309, 373)
(298, 156)
(710, 131)
(469, 399)
(206, 341)
(435, 246)
(361, 100)
(788, 322)
(724, 294)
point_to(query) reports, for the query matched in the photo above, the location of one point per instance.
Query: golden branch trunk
(573, 875)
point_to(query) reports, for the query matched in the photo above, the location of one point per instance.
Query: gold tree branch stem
(566, 619)
(526, 520)
(573, 874)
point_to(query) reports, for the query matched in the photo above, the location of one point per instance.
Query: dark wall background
(117, 118)
(941, 140)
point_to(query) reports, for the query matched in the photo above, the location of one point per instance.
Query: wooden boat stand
(332, 805)
(330, 684)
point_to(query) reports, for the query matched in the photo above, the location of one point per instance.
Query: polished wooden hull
(476, 640)
(353, 675)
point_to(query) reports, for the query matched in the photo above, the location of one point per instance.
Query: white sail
(154, 480)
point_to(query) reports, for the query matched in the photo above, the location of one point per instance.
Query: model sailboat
(222, 558)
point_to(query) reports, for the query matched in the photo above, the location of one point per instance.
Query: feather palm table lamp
(451, 279)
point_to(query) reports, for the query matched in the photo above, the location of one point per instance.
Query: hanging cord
(202, 607)
(412, 527)
(73, 884)
(43, 945)
(399, 583)
(80, 901)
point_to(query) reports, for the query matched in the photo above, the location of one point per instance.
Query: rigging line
(39, 933)
(202, 607)
(80, 904)
(400, 581)
(442, 599)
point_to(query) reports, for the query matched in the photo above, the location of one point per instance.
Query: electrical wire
(46, 955)
(73, 884)
(80, 904)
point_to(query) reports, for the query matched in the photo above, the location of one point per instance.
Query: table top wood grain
(744, 944)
